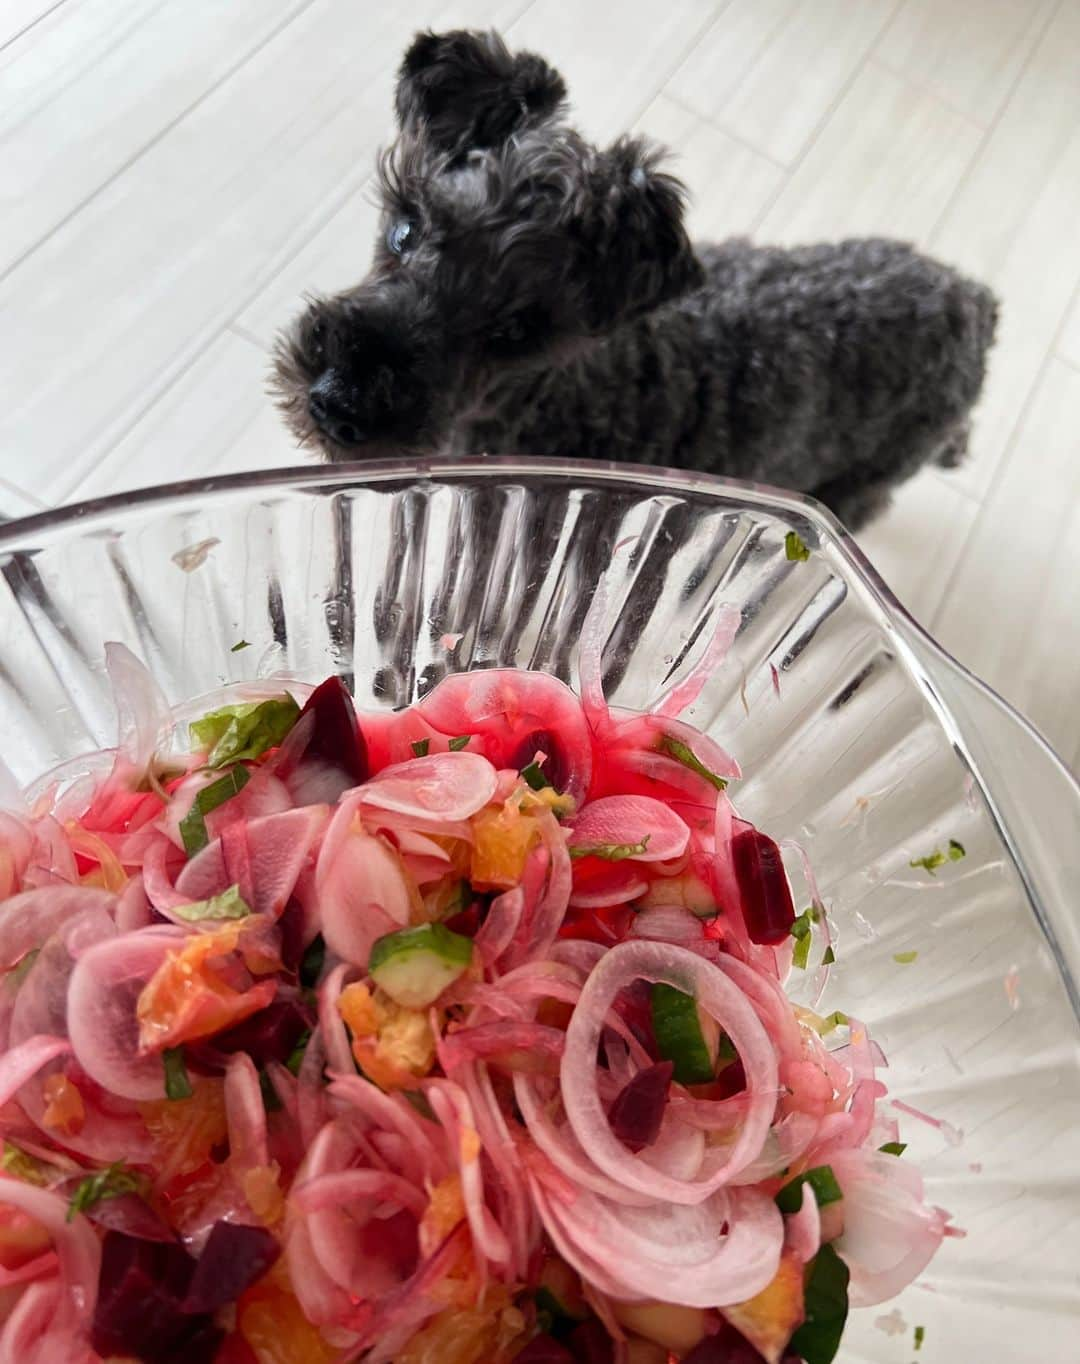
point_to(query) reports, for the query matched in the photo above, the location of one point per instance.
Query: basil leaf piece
(920, 1337)
(462, 741)
(534, 776)
(610, 852)
(177, 1084)
(684, 754)
(795, 548)
(931, 862)
(956, 850)
(240, 644)
(905, 958)
(420, 748)
(311, 963)
(234, 733)
(829, 959)
(296, 1056)
(818, 1338)
(893, 1148)
(801, 931)
(230, 904)
(111, 1182)
(193, 825)
(823, 1182)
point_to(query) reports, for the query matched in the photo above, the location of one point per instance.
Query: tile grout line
(993, 125)
(926, 89)
(31, 25)
(823, 121)
(1022, 415)
(238, 329)
(709, 122)
(159, 136)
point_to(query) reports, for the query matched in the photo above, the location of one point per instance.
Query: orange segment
(65, 1112)
(485, 1332)
(393, 1046)
(503, 837)
(445, 1209)
(769, 1320)
(185, 1131)
(273, 1323)
(206, 986)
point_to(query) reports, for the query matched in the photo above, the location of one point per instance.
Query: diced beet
(544, 1350)
(590, 1343)
(140, 1290)
(337, 738)
(291, 926)
(555, 766)
(268, 1035)
(467, 922)
(234, 1257)
(767, 906)
(638, 1109)
(196, 1348)
(132, 1215)
(731, 1080)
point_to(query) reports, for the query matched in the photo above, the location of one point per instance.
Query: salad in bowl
(452, 1034)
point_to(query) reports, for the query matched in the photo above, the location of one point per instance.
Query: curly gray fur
(533, 294)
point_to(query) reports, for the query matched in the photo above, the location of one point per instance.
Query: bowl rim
(14, 533)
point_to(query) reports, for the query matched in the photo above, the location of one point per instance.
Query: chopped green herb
(419, 1101)
(462, 741)
(893, 1148)
(230, 904)
(15, 1162)
(420, 748)
(270, 1099)
(829, 959)
(821, 1180)
(801, 931)
(240, 644)
(311, 963)
(296, 1056)
(795, 548)
(534, 775)
(818, 1338)
(956, 850)
(610, 852)
(683, 754)
(111, 1182)
(193, 825)
(930, 863)
(246, 731)
(920, 1336)
(177, 1084)
(905, 958)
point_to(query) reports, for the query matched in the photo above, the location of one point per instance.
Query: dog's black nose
(330, 412)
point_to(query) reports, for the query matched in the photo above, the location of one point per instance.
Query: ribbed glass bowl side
(847, 743)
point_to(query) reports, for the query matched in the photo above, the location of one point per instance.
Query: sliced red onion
(74, 1241)
(890, 1235)
(451, 1106)
(503, 919)
(447, 785)
(102, 1023)
(684, 970)
(617, 883)
(631, 820)
(682, 695)
(246, 1114)
(720, 1251)
(802, 1230)
(19, 1063)
(26, 920)
(363, 894)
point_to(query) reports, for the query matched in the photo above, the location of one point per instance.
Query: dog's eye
(318, 337)
(400, 237)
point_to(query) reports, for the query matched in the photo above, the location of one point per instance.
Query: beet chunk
(140, 1290)
(235, 1256)
(336, 737)
(544, 1350)
(555, 766)
(638, 1109)
(767, 906)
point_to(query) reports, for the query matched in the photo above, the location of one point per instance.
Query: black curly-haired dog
(532, 294)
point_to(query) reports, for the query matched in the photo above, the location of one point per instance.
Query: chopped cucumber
(416, 965)
(685, 1035)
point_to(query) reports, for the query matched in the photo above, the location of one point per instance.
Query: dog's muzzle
(331, 411)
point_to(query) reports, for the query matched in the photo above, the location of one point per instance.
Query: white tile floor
(173, 173)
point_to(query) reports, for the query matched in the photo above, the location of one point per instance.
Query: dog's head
(506, 241)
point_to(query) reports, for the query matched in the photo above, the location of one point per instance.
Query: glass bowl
(858, 738)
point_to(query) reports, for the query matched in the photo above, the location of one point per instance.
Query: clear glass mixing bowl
(857, 735)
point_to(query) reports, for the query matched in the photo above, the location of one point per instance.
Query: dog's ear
(466, 90)
(636, 252)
